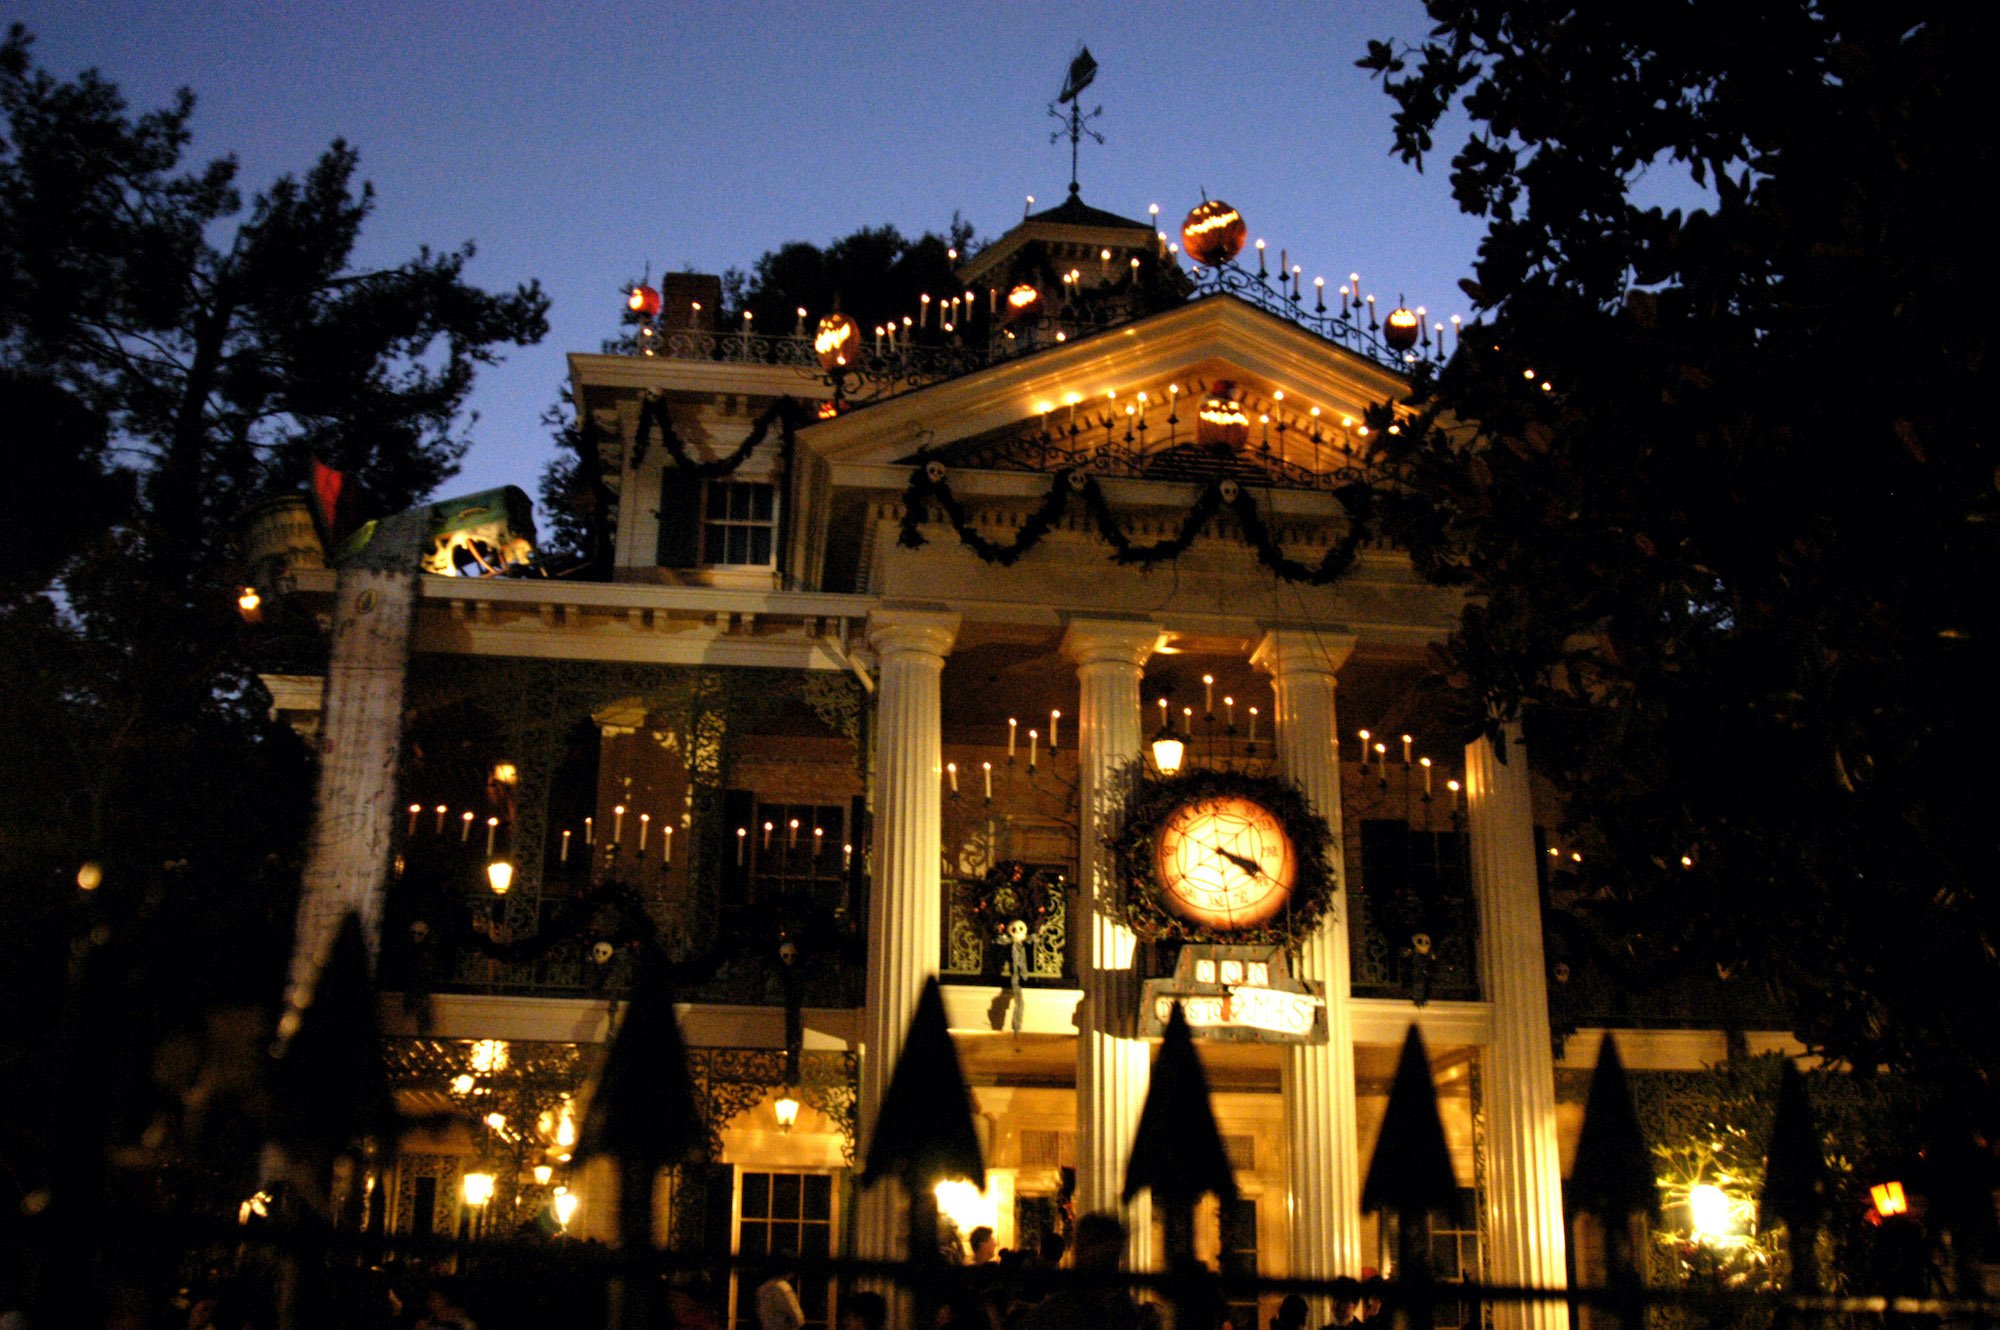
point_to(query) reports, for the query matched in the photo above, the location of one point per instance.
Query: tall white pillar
(1322, 1147)
(1112, 1067)
(905, 896)
(1524, 1175)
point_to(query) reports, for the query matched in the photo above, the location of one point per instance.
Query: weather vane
(1075, 123)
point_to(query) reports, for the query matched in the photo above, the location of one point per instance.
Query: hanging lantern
(644, 301)
(1401, 328)
(1222, 419)
(1213, 233)
(1022, 301)
(837, 342)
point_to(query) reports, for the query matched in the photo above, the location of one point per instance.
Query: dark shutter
(680, 519)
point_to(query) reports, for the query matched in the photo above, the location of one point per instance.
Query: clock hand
(1248, 865)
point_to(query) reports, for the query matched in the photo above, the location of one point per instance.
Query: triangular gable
(1278, 369)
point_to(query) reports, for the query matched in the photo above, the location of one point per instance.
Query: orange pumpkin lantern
(1213, 233)
(643, 301)
(1400, 329)
(837, 342)
(1022, 301)
(1222, 418)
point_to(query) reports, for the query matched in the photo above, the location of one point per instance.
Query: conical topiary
(924, 1132)
(1411, 1172)
(329, 1087)
(1177, 1152)
(1613, 1174)
(1795, 1165)
(644, 1110)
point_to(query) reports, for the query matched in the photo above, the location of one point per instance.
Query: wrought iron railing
(1399, 967)
(969, 955)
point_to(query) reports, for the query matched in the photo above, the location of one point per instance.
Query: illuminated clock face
(1225, 862)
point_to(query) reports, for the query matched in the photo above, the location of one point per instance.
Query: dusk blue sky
(578, 143)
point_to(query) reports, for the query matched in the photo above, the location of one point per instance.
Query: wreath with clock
(1222, 857)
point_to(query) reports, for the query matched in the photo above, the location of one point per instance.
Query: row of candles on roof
(1213, 233)
(1222, 417)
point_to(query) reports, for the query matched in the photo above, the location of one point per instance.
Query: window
(802, 863)
(739, 523)
(1455, 1258)
(785, 1213)
(1238, 1224)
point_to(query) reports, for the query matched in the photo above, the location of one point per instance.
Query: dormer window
(739, 524)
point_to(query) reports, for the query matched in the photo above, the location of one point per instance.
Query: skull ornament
(934, 471)
(788, 952)
(420, 931)
(1561, 972)
(601, 952)
(1230, 489)
(1420, 943)
(1017, 931)
(1077, 480)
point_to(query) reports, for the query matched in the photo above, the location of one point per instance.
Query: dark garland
(653, 416)
(1014, 892)
(1147, 802)
(928, 486)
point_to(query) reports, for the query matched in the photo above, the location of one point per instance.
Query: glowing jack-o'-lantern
(1222, 418)
(837, 342)
(643, 301)
(1022, 301)
(1213, 233)
(1400, 329)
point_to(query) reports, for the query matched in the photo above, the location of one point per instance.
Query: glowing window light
(1889, 1199)
(967, 1206)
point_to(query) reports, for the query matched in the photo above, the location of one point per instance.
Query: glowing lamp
(644, 301)
(1889, 1199)
(542, 1174)
(250, 605)
(787, 1109)
(477, 1188)
(1708, 1211)
(90, 877)
(505, 773)
(837, 342)
(500, 876)
(1021, 301)
(1213, 233)
(1167, 752)
(564, 1204)
(1400, 329)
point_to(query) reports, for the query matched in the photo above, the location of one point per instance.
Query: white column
(905, 900)
(1524, 1175)
(1112, 1067)
(1322, 1149)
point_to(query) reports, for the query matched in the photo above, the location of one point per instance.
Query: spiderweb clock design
(1224, 861)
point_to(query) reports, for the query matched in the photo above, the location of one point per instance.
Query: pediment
(1069, 403)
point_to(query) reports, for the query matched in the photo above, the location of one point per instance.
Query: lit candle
(924, 310)
(1012, 725)
(1055, 730)
(792, 835)
(589, 832)
(951, 774)
(1163, 713)
(618, 824)
(1187, 721)
(1253, 724)
(645, 824)
(1425, 763)
(767, 836)
(1229, 708)
(414, 810)
(988, 766)
(742, 835)
(1208, 694)
(1406, 750)
(1381, 755)
(492, 826)
(799, 328)
(666, 842)
(1365, 737)
(562, 855)
(819, 839)
(846, 857)
(1452, 785)
(1034, 741)
(440, 810)
(465, 827)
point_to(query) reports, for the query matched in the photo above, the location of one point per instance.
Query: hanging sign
(1240, 994)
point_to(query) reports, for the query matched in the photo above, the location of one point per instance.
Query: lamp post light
(787, 1109)
(477, 1189)
(1168, 750)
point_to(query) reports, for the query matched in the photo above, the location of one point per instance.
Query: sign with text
(1245, 994)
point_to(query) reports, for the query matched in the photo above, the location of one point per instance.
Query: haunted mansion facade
(870, 695)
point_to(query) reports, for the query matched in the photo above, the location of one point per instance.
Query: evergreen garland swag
(653, 416)
(1147, 802)
(928, 486)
